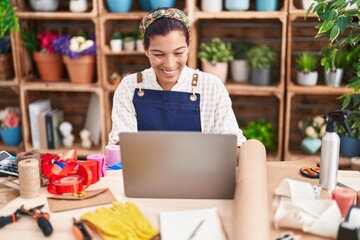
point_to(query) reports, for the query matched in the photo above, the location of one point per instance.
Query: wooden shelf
(56, 15)
(281, 15)
(318, 89)
(251, 90)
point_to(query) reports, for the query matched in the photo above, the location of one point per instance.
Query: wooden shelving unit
(283, 102)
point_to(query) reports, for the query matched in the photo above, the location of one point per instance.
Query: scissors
(310, 172)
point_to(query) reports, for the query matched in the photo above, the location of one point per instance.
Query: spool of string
(112, 155)
(29, 178)
(344, 198)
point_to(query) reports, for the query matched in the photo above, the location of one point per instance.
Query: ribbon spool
(112, 155)
(102, 162)
(90, 171)
(68, 184)
(29, 178)
(344, 198)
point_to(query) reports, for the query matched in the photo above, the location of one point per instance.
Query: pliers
(35, 212)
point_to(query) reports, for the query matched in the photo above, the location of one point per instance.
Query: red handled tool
(81, 230)
(11, 218)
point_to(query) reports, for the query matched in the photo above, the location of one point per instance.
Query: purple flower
(62, 45)
(5, 44)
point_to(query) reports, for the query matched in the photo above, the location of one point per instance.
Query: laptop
(193, 165)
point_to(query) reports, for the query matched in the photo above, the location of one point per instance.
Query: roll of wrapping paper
(90, 171)
(251, 213)
(102, 164)
(29, 178)
(112, 155)
(345, 198)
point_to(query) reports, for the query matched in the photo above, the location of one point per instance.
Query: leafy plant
(117, 35)
(239, 49)
(341, 26)
(75, 46)
(263, 131)
(261, 57)
(129, 38)
(215, 51)
(8, 18)
(306, 62)
(5, 44)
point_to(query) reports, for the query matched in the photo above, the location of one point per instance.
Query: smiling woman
(170, 96)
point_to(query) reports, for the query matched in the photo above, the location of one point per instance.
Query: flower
(41, 42)
(75, 46)
(314, 127)
(10, 117)
(46, 39)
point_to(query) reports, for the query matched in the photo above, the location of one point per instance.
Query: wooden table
(26, 228)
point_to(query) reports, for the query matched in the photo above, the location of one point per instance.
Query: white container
(44, 5)
(139, 45)
(239, 70)
(211, 5)
(78, 5)
(116, 45)
(129, 45)
(334, 79)
(306, 4)
(307, 79)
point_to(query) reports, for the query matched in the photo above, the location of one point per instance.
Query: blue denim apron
(167, 110)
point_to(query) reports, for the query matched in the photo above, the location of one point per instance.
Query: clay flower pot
(50, 66)
(81, 70)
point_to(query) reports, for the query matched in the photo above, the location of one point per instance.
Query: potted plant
(263, 131)
(116, 41)
(79, 53)
(261, 59)
(306, 64)
(239, 66)
(129, 42)
(8, 20)
(10, 128)
(330, 60)
(49, 64)
(350, 29)
(138, 40)
(6, 62)
(215, 57)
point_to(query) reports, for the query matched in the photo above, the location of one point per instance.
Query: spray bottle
(330, 147)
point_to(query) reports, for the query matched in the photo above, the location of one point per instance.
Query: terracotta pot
(81, 70)
(219, 69)
(7, 68)
(50, 66)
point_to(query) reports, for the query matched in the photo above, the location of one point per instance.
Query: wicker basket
(7, 68)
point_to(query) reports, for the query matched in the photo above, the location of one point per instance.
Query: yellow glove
(122, 221)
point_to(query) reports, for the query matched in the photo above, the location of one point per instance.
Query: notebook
(161, 164)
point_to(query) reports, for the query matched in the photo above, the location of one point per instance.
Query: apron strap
(194, 82)
(140, 93)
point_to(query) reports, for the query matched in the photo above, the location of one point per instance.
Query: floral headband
(163, 13)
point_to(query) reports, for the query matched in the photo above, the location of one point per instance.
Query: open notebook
(178, 165)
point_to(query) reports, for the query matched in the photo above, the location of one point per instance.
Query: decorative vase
(80, 70)
(211, 6)
(162, 3)
(119, 6)
(78, 5)
(50, 66)
(44, 5)
(232, 5)
(266, 5)
(7, 68)
(11, 136)
(219, 69)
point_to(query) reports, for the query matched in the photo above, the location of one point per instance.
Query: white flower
(318, 121)
(322, 130)
(87, 44)
(79, 44)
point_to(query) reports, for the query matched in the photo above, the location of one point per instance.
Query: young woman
(169, 95)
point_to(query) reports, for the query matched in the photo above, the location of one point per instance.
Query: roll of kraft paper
(102, 164)
(112, 155)
(344, 198)
(251, 213)
(29, 178)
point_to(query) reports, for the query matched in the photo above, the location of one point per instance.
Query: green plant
(8, 18)
(215, 51)
(261, 57)
(263, 131)
(306, 62)
(354, 124)
(129, 38)
(29, 40)
(342, 28)
(239, 49)
(117, 35)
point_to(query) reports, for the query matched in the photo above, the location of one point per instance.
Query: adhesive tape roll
(355, 163)
(29, 178)
(344, 198)
(68, 184)
(102, 164)
(112, 155)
